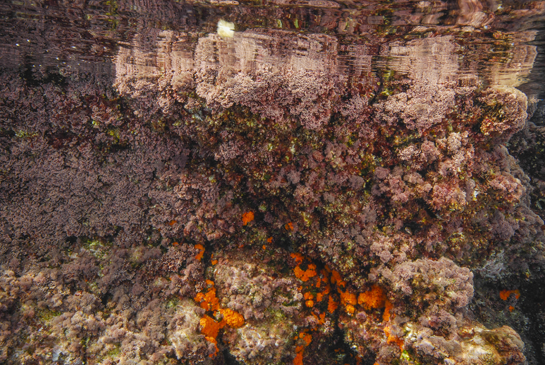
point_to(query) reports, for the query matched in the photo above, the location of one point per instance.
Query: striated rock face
(329, 183)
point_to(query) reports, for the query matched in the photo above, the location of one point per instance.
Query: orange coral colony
(505, 294)
(209, 326)
(390, 338)
(328, 282)
(247, 217)
(208, 301)
(307, 338)
(331, 305)
(336, 278)
(310, 272)
(386, 316)
(298, 257)
(373, 298)
(232, 318)
(200, 247)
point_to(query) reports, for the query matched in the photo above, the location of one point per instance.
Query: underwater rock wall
(274, 197)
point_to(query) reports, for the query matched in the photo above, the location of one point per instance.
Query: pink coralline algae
(336, 187)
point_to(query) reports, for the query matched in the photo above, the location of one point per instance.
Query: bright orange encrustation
(247, 217)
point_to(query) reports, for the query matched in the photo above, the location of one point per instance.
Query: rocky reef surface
(328, 183)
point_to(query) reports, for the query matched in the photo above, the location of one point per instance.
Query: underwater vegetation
(273, 196)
